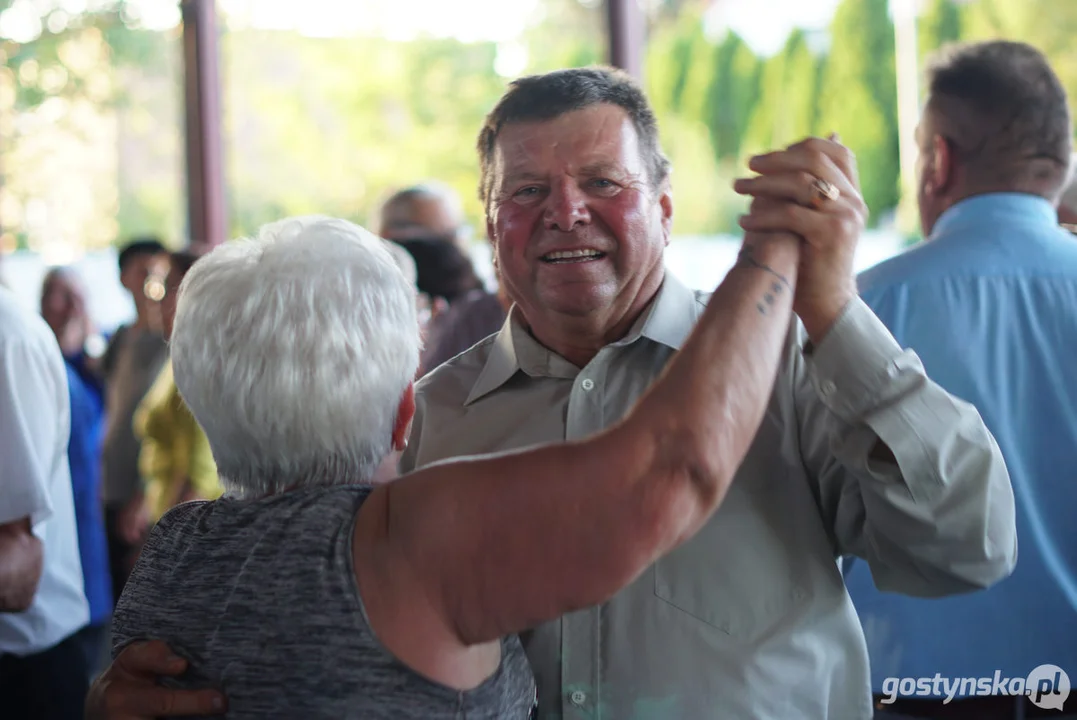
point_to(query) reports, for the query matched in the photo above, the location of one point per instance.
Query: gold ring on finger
(823, 191)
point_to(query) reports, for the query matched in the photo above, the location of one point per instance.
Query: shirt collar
(667, 320)
(989, 208)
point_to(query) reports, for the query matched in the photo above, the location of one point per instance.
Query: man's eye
(526, 192)
(602, 183)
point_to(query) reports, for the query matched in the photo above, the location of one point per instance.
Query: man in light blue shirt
(989, 303)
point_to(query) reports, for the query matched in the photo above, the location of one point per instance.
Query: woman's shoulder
(210, 540)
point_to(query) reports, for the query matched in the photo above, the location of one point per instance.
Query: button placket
(585, 407)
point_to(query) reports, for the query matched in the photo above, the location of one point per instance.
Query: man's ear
(405, 413)
(941, 177)
(490, 239)
(665, 202)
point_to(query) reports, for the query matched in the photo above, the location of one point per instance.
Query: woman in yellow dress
(176, 463)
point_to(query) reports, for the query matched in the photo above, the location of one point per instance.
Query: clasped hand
(811, 190)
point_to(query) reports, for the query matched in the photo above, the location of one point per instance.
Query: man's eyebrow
(601, 168)
(515, 176)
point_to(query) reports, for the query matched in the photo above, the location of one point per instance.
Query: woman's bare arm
(467, 552)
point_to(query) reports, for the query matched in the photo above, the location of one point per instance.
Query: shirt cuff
(25, 502)
(856, 361)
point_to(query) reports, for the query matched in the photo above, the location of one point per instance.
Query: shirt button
(578, 697)
(588, 384)
(828, 387)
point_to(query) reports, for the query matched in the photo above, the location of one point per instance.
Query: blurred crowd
(915, 438)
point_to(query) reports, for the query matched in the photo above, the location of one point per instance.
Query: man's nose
(566, 207)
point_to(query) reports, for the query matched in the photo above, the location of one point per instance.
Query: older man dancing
(859, 452)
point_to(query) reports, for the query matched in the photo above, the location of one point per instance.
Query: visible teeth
(565, 254)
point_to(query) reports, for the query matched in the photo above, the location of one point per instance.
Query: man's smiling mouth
(560, 257)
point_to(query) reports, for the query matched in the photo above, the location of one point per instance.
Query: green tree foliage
(332, 125)
(858, 97)
(567, 33)
(939, 25)
(73, 98)
(732, 95)
(789, 97)
(675, 53)
(75, 55)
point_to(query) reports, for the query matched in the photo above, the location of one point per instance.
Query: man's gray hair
(537, 98)
(292, 350)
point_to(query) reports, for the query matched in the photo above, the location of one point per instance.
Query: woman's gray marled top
(260, 596)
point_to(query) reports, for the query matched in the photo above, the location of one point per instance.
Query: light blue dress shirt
(989, 304)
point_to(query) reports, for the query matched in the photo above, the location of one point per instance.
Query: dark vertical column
(625, 26)
(206, 211)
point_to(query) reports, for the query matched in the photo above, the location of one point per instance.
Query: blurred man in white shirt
(42, 604)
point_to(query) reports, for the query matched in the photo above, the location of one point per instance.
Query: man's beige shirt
(749, 619)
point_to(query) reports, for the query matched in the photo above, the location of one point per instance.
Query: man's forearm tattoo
(746, 259)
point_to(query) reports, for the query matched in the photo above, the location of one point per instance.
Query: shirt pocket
(743, 572)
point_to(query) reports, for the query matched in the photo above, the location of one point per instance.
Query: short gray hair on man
(293, 349)
(537, 98)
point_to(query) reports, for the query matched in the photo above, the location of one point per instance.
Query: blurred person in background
(425, 215)
(430, 210)
(176, 461)
(43, 673)
(989, 304)
(63, 305)
(465, 323)
(444, 274)
(405, 262)
(459, 311)
(422, 216)
(135, 356)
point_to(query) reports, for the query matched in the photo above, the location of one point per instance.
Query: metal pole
(625, 28)
(207, 216)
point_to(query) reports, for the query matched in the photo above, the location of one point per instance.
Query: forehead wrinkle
(522, 175)
(607, 142)
(589, 165)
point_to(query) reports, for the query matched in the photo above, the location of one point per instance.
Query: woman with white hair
(307, 592)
